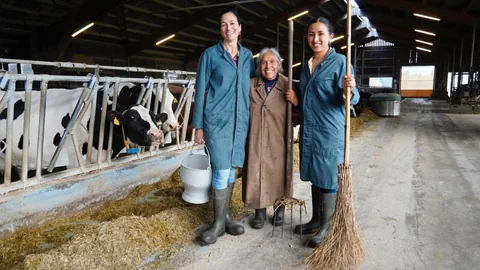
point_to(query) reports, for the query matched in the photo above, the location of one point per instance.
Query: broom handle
(348, 89)
(289, 152)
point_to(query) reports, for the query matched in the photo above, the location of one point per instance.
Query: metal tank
(386, 104)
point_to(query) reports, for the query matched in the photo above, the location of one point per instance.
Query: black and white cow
(363, 103)
(139, 124)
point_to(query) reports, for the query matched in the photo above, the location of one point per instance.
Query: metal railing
(92, 83)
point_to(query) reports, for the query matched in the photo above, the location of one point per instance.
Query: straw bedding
(152, 220)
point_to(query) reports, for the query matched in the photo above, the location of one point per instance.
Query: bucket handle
(207, 154)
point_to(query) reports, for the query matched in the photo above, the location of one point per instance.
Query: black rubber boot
(277, 219)
(231, 226)
(327, 206)
(259, 220)
(314, 224)
(218, 227)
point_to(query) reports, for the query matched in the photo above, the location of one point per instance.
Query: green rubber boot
(232, 227)
(313, 225)
(217, 229)
(327, 208)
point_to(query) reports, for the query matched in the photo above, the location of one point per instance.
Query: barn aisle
(417, 199)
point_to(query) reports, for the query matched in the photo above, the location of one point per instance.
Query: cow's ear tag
(175, 100)
(116, 122)
(159, 123)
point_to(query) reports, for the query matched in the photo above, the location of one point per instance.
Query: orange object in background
(416, 93)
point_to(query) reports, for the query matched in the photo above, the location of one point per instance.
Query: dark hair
(321, 20)
(229, 10)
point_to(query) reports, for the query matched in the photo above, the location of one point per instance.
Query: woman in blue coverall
(321, 100)
(221, 117)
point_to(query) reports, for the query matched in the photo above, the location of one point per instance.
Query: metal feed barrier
(91, 84)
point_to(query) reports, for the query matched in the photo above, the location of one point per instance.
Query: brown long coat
(264, 170)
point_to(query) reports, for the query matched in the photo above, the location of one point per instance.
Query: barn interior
(415, 143)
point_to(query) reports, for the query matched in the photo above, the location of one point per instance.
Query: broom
(342, 248)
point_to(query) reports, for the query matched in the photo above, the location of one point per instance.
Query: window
(379, 43)
(417, 77)
(455, 81)
(381, 82)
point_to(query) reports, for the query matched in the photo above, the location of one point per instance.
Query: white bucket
(196, 175)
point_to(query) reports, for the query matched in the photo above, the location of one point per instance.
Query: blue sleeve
(299, 87)
(296, 89)
(340, 92)
(201, 84)
(252, 67)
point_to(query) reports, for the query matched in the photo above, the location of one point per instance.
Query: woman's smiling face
(319, 37)
(269, 66)
(230, 27)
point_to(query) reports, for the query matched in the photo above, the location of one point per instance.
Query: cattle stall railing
(91, 84)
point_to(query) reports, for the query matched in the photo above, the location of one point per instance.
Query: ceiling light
(425, 32)
(346, 46)
(298, 15)
(83, 29)
(423, 49)
(424, 42)
(165, 39)
(337, 38)
(297, 64)
(426, 17)
(256, 55)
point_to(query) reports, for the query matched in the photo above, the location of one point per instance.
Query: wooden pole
(289, 165)
(348, 89)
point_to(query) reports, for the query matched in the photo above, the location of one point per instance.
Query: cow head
(129, 93)
(140, 125)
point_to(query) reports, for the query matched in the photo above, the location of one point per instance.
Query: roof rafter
(171, 28)
(282, 16)
(441, 32)
(413, 7)
(58, 34)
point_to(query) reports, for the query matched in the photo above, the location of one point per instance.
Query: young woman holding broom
(322, 115)
(221, 117)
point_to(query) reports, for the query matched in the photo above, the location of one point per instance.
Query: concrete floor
(417, 200)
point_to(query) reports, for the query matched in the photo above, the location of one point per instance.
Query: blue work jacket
(224, 112)
(322, 112)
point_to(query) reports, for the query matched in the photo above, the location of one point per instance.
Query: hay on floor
(151, 219)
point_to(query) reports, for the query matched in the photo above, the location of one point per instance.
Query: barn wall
(34, 205)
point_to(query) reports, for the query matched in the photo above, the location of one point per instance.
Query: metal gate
(91, 84)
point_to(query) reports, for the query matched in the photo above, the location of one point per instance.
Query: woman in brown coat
(264, 171)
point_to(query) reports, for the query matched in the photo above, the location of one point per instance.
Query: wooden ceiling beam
(414, 7)
(278, 17)
(441, 32)
(169, 29)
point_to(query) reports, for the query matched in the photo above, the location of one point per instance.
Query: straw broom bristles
(342, 248)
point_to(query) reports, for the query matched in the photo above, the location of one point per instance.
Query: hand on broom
(348, 82)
